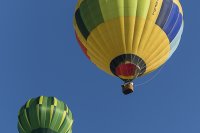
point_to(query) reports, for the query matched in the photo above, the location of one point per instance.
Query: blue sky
(39, 55)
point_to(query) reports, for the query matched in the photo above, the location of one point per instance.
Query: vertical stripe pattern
(148, 29)
(45, 115)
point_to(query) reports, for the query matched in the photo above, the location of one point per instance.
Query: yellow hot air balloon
(128, 38)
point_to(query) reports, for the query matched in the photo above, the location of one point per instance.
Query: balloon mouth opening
(128, 66)
(127, 88)
(127, 71)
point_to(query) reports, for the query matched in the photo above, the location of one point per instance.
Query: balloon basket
(127, 88)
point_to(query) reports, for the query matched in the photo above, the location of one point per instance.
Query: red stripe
(126, 70)
(84, 49)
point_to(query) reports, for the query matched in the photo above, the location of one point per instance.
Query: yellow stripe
(139, 27)
(28, 103)
(63, 118)
(154, 10)
(67, 110)
(55, 101)
(129, 33)
(51, 113)
(96, 51)
(41, 99)
(158, 63)
(158, 52)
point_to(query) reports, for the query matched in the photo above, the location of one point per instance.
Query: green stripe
(91, 14)
(112, 9)
(20, 128)
(33, 117)
(143, 8)
(23, 120)
(43, 111)
(48, 108)
(130, 7)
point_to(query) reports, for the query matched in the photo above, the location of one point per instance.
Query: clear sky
(39, 55)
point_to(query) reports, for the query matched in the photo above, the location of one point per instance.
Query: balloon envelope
(128, 38)
(45, 115)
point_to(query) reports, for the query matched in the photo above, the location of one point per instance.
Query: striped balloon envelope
(45, 115)
(128, 38)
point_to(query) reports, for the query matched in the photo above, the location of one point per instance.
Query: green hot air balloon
(45, 115)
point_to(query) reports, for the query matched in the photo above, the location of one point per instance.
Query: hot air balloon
(45, 115)
(128, 38)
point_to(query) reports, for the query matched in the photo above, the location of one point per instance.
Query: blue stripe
(171, 19)
(164, 12)
(176, 28)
